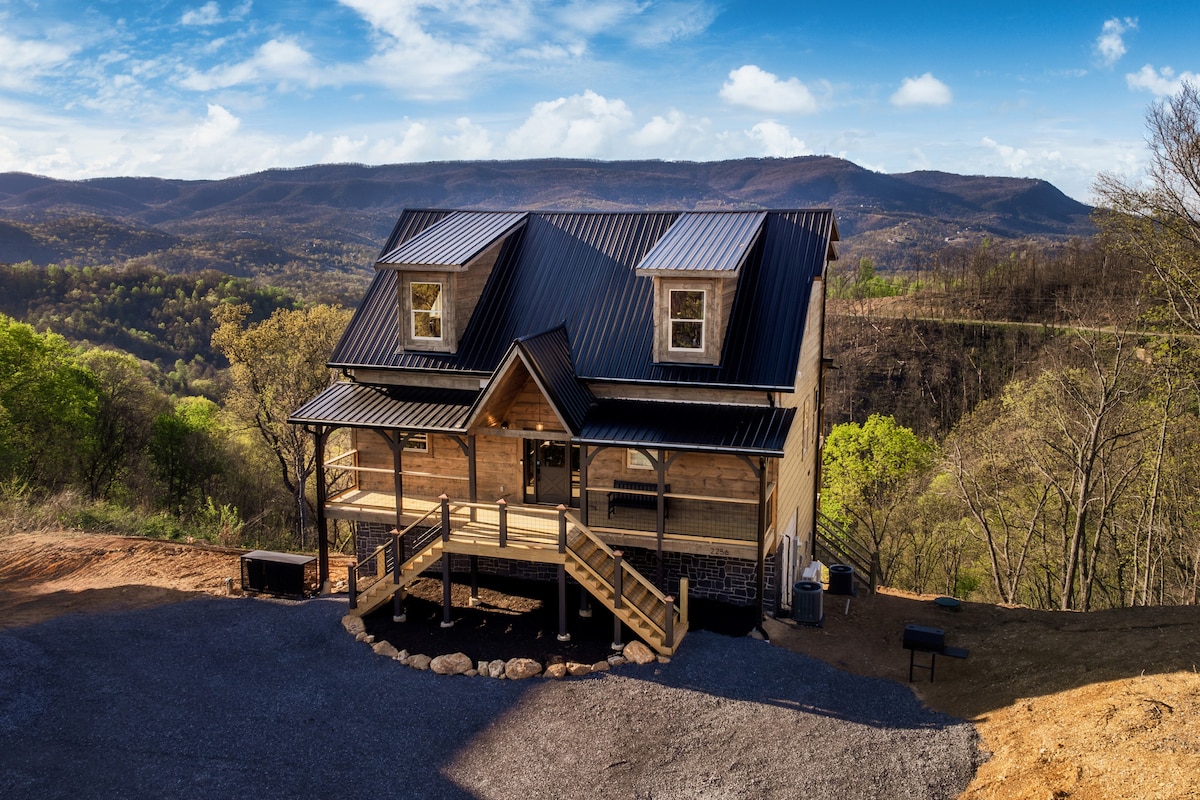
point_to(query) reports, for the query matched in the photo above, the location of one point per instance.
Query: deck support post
(562, 529)
(398, 482)
(618, 598)
(585, 603)
(660, 469)
(321, 434)
(683, 600)
(583, 484)
(760, 576)
(474, 599)
(447, 622)
(502, 510)
(398, 614)
(563, 636)
(352, 584)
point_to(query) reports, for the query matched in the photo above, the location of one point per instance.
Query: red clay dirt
(1097, 705)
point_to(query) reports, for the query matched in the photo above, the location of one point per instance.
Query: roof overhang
(358, 405)
(699, 427)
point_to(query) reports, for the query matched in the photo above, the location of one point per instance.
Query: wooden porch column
(398, 486)
(583, 484)
(321, 434)
(447, 622)
(660, 469)
(760, 576)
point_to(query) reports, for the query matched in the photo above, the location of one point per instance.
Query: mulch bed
(519, 618)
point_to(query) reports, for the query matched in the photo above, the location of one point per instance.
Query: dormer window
(425, 300)
(687, 320)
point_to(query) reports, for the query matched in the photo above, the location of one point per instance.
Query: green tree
(870, 472)
(185, 447)
(276, 366)
(47, 404)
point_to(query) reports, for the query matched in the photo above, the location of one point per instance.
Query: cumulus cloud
(756, 88)
(1160, 82)
(658, 131)
(580, 126)
(1015, 159)
(1110, 45)
(277, 60)
(923, 91)
(216, 128)
(777, 140)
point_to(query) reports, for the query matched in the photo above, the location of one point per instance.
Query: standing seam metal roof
(455, 239)
(360, 405)
(581, 269)
(708, 242)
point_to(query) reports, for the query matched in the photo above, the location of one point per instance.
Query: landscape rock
(639, 653)
(419, 661)
(385, 649)
(616, 661)
(575, 669)
(482, 667)
(471, 673)
(516, 669)
(556, 671)
(451, 664)
(353, 625)
(495, 669)
(361, 636)
(601, 666)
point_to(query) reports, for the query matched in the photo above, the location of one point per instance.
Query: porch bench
(618, 499)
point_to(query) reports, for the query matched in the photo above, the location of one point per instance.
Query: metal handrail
(837, 541)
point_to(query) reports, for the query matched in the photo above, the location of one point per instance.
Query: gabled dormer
(695, 267)
(441, 273)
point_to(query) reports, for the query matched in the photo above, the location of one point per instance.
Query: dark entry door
(553, 481)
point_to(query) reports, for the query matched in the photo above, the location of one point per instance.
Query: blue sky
(214, 88)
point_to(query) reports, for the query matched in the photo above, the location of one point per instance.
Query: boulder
(516, 669)
(495, 669)
(451, 664)
(639, 653)
(575, 669)
(557, 671)
(601, 666)
(419, 661)
(353, 625)
(385, 649)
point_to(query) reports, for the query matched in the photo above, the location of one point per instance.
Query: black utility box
(281, 574)
(924, 638)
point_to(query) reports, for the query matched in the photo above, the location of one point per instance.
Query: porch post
(472, 484)
(563, 636)
(660, 467)
(398, 485)
(474, 599)
(618, 598)
(583, 484)
(760, 576)
(321, 433)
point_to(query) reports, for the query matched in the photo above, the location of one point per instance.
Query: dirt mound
(1098, 705)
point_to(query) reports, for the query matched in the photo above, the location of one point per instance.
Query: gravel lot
(223, 698)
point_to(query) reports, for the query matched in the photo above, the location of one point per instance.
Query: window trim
(438, 311)
(633, 456)
(417, 443)
(671, 320)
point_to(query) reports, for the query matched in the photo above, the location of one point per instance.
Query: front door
(548, 467)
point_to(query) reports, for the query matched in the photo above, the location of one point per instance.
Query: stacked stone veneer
(729, 580)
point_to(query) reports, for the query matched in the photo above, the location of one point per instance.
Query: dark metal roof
(359, 405)
(549, 357)
(581, 269)
(749, 430)
(712, 242)
(455, 239)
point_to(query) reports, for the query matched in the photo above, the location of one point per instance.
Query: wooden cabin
(651, 379)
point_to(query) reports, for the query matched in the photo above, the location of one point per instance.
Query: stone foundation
(728, 580)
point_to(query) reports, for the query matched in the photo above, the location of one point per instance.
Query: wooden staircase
(633, 599)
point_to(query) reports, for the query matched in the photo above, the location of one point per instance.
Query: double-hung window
(687, 319)
(426, 304)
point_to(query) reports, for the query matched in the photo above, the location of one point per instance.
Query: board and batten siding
(796, 490)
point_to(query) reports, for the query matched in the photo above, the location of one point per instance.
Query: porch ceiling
(357, 405)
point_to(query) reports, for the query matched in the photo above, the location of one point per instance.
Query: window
(426, 304)
(635, 459)
(687, 319)
(418, 442)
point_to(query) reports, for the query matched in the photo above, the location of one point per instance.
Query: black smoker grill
(282, 574)
(924, 639)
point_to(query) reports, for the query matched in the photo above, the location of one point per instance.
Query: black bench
(627, 499)
(928, 640)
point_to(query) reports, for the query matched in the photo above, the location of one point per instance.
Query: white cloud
(469, 141)
(25, 60)
(277, 60)
(658, 131)
(1015, 159)
(580, 126)
(1162, 82)
(777, 141)
(216, 129)
(663, 23)
(923, 91)
(1110, 45)
(755, 88)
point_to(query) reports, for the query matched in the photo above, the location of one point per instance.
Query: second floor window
(426, 299)
(687, 319)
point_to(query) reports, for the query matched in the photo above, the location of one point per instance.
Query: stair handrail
(838, 541)
(672, 610)
(385, 560)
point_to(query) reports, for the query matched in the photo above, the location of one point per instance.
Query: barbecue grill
(925, 639)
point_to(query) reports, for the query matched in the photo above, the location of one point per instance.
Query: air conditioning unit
(807, 608)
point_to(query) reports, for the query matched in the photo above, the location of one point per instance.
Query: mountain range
(333, 217)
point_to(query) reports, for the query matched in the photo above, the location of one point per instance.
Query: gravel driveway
(224, 698)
